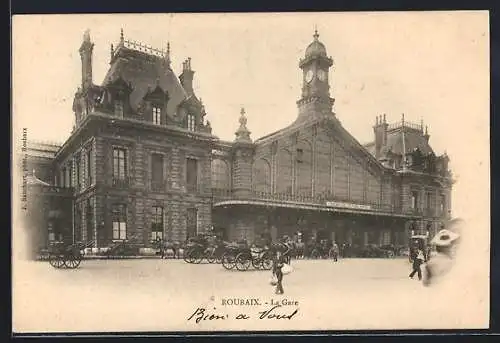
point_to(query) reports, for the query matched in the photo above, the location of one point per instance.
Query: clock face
(322, 75)
(309, 76)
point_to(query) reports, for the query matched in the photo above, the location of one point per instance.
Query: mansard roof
(145, 72)
(413, 139)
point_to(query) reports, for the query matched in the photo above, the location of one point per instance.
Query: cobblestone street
(159, 295)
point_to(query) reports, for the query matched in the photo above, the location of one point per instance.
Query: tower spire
(316, 34)
(167, 55)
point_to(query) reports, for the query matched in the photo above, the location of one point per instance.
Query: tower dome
(316, 48)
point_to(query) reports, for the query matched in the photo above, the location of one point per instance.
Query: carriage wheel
(56, 261)
(189, 256)
(73, 261)
(228, 261)
(211, 258)
(257, 263)
(266, 261)
(242, 261)
(198, 256)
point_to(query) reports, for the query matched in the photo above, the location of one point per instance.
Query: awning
(313, 207)
(33, 181)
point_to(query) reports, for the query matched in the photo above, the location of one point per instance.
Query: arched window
(284, 174)
(220, 175)
(304, 168)
(262, 176)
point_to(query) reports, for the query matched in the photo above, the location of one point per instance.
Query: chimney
(186, 76)
(86, 50)
(380, 131)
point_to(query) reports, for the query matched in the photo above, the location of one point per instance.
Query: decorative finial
(376, 120)
(243, 134)
(426, 131)
(316, 34)
(86, 36)
(167, 55)
(112, 51)
(121, 36)
(422, 124)
(403, 118)
(384, 119)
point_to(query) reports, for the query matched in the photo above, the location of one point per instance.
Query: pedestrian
(278, 262)
(335, 249)
(417, 262)
(446, 243)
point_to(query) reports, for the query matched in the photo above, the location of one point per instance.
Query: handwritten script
(275, 312)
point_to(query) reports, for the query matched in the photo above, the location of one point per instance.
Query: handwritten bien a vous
(275, 312)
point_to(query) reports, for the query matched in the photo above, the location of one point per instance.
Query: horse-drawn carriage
(322, 249)
(241, 257)
(204, 246)
(64, 255)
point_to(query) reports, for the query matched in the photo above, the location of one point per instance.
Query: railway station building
(142, 162)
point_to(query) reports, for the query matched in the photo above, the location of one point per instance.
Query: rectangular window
(157, 168)
(63, 177)
(429, 200)
(157, 223)
(119, 108)
(191, 174)
(119, 163)
(191, 122)
(414, 200)
(156, 115)
(70, 176)
(119, 222)
(89, 167)
(77, 171)
(442, 204)
(300, 155)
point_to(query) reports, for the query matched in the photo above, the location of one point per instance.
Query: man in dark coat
(278, 261)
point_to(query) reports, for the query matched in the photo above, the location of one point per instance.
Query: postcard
(250, 172)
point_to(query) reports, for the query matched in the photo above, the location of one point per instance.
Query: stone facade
(141, 155)
(313, 175)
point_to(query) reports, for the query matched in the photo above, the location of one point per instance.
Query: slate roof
(413, 139)
(144, 72)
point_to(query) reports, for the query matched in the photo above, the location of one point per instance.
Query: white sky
(429, 65)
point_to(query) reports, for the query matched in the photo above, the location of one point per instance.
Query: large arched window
(220, 175)
(284, 173)
(322, 183)
(262, 176)
(304, 168)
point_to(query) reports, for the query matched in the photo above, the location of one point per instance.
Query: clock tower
(315, 67)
